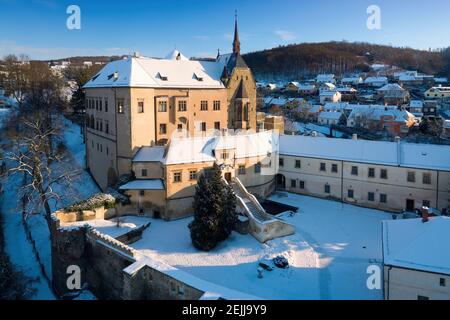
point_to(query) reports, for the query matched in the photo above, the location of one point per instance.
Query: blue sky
(200, 27)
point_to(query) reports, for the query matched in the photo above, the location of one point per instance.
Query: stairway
(263, 226)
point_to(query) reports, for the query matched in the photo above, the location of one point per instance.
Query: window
(323, 167)
(258, 167)
(140, 106)
(411, 176)
(100, 104)
(354, 171)
(422, 298)
(383, 198)
(180, 127)
(242, 170)
(96, 104)
(144, 173)
(327, 189)
(193, 175)
(350, 193)
(216, 105)
(182, 106)
(177, 177)
(142, 193)
(162, 106)
(334, 168)
(371, 172)
(106, 104)
(106, 126)
(107, 151)
(442, 282)
(120, 106)
(383, 174)
(204, 105)
(101, 125)
(225, 155)
(217, 125)
(426, 178)
(203, 126)
(298, 164)
(162, 128)
(293, 183)
(371, 196)
(281, 162)
(426, 203)
(302, 185)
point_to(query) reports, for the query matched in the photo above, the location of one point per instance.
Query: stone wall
(111, 269)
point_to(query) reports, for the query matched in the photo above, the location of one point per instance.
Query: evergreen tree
(214, 211)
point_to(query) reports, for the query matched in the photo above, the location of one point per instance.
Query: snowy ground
(110, 227)
(17, 247)
(329, 254)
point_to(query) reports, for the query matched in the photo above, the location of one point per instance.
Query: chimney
(137, 54)
(354, 136)
(425, 214)
(399, 150)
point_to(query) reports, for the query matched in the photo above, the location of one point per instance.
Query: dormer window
(162, 77)
(95, 77)
(198, 78)
(114, 76)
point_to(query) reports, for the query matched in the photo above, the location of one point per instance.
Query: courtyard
(328, 255)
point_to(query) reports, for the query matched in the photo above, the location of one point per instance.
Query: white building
(352, 81)
(416, 259)
(330, 118)
(376, 81)
(330, 96)
(323, 78)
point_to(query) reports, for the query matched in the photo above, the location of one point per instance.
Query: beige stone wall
(405, 284)
(245, 75)
(395, 187)
(155, 170)
(314, 179)
(152, 203)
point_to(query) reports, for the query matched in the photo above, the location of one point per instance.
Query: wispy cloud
(285, 35)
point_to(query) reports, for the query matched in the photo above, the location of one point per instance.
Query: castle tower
(241, 86)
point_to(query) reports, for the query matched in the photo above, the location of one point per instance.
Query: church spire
(236, 42)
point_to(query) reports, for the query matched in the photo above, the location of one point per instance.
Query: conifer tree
(214, 211)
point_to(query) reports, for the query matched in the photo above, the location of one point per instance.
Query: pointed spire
(236, 42)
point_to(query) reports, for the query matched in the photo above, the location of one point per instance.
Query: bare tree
(15, 79)
(40, 170)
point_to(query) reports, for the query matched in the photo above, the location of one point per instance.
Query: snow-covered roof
(306, 87)
(416, 245)
(416, 104)
(376, 80)
(202, 149)
(376, 113)
(329, 93)
(176, 55)
(150, 154)
(411, 155)
(352, 79)
(147, 184)
(391, 87)
(155, 73)
(330, 115)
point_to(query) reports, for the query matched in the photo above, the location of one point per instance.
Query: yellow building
(140, 101)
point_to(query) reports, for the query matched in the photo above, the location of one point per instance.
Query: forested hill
(309, 59)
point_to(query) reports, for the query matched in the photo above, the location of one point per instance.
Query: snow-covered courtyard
(329, 254)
